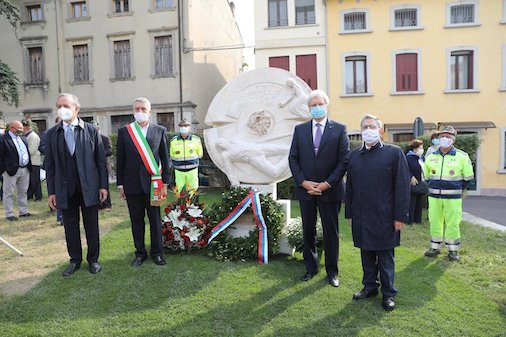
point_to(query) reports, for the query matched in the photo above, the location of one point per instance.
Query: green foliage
(224, 247)
(286, 189)
(10, 11)
(8, 81)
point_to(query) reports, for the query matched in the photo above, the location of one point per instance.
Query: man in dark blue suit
(76, 179)
(134, 178)
(318, 159)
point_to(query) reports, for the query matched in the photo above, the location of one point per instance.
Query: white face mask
(418, 152)
(65, 114)
(445, 142)
(184, 130)
(370, 136)
(141, 117)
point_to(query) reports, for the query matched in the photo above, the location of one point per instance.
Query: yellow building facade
(443, 61)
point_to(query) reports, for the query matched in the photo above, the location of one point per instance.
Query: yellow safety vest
(185, 153)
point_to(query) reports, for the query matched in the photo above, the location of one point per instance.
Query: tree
(9, 82)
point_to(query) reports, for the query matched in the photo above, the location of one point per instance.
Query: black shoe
(95, 267)
(25, 215)
(71, 269)
(159, 260)
(453, 255)
(365, 294)
(432, 252)
(333, 281)
(388, 303)
(137, 262)
(12, 218)
(307, 276)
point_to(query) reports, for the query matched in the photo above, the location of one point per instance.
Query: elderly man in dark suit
(141, 154)
(76, 179)
(318, 159)
(15, 167)
(377, 202)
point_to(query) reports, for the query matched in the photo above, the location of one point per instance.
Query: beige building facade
(177, 53)
(443, 61)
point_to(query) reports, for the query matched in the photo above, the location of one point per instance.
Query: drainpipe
(57, 44)
(180, 51)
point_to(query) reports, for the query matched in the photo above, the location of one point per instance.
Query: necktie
(317, 137)
(69, 139)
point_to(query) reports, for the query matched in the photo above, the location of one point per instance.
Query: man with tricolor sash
(142, 170)
(448, 172)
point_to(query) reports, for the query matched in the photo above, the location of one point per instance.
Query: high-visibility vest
(185, 153)
(447, 175)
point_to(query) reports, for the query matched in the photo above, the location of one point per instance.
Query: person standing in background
(34, 188)
(415, 163)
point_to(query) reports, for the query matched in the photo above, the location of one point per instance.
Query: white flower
(194, 211)
(194, 234)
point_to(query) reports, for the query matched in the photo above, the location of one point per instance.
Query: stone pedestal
(264, 189)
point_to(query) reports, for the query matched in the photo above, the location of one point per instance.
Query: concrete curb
(482, 222)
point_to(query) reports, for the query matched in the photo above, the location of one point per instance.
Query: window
(306, 69)
(119, 121)
(503, 81)
(166, 119)
(122, 59)
(34, 13)
(81, 63)
(282, 62)
(502, 168)
(461, 64)
(402, 137)
(79, 9)
(356, 74)
(462, 13)
(355, 21)
(278, 13)
(162, 4)
(304, 12)
(35, 65)
(503, 20)
(406, 72)
(163, 55)
(121, 6)
(405, 18)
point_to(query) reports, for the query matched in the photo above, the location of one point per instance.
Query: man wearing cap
(34, 189)
(448, 172)
(185, 152)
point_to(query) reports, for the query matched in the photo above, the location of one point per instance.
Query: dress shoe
(365, 294)
(12, 218)
(333, 281)
(388, 303)
(137, 262)
(307, 276)
(95, 267)
(71, 269)
(453, 255)
(432, 252)
(25, 215)
(159, 260)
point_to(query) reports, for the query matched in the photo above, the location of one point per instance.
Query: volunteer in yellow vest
(185, 152)
(448, 171)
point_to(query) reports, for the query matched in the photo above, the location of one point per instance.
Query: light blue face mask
(318, 112)
(435, 141)
(184, 130)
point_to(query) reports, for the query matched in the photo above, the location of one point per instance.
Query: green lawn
(194, 295)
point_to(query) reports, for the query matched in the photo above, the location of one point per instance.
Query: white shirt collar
(323, 122)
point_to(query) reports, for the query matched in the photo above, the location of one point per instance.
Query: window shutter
(282, 62)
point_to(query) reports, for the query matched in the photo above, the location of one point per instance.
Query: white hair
(143, 100)
(73, 97)
(369, 116)
(318, 93)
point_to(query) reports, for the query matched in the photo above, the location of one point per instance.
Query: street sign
(418, 127)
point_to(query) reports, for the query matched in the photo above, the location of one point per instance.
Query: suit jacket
(33, 147)
(107, 145)
(9, 157)
(90, 158)
(328, 165)
(130, 170)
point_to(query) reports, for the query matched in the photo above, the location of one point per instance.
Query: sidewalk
(485, 211)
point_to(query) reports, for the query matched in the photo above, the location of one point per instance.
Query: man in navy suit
(15, 167)
(318, 159)
(135, 181)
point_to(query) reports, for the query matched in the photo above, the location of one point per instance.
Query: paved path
(485, 211)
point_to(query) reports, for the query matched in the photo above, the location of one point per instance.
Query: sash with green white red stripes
(157, 193)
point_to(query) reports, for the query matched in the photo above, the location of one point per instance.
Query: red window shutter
(306, 69)
(407, 72)
(282, 62)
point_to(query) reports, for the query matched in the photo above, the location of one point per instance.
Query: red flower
(202, 243)
(182, 207)
(170, 235)
(192, 219)
(166, 210)
(186, 238)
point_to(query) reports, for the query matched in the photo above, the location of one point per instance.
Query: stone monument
(252, 119)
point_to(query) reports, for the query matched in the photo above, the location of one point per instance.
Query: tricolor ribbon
(253, 198)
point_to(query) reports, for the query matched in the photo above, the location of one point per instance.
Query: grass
(197, 296)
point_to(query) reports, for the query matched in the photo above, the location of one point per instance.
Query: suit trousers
(329, 212)
(34, 189)
(137, 206)
(20, 180)
(70, 217)
(382, 264)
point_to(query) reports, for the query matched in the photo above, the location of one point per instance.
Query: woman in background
(415, 163)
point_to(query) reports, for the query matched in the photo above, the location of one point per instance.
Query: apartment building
(177, 53)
